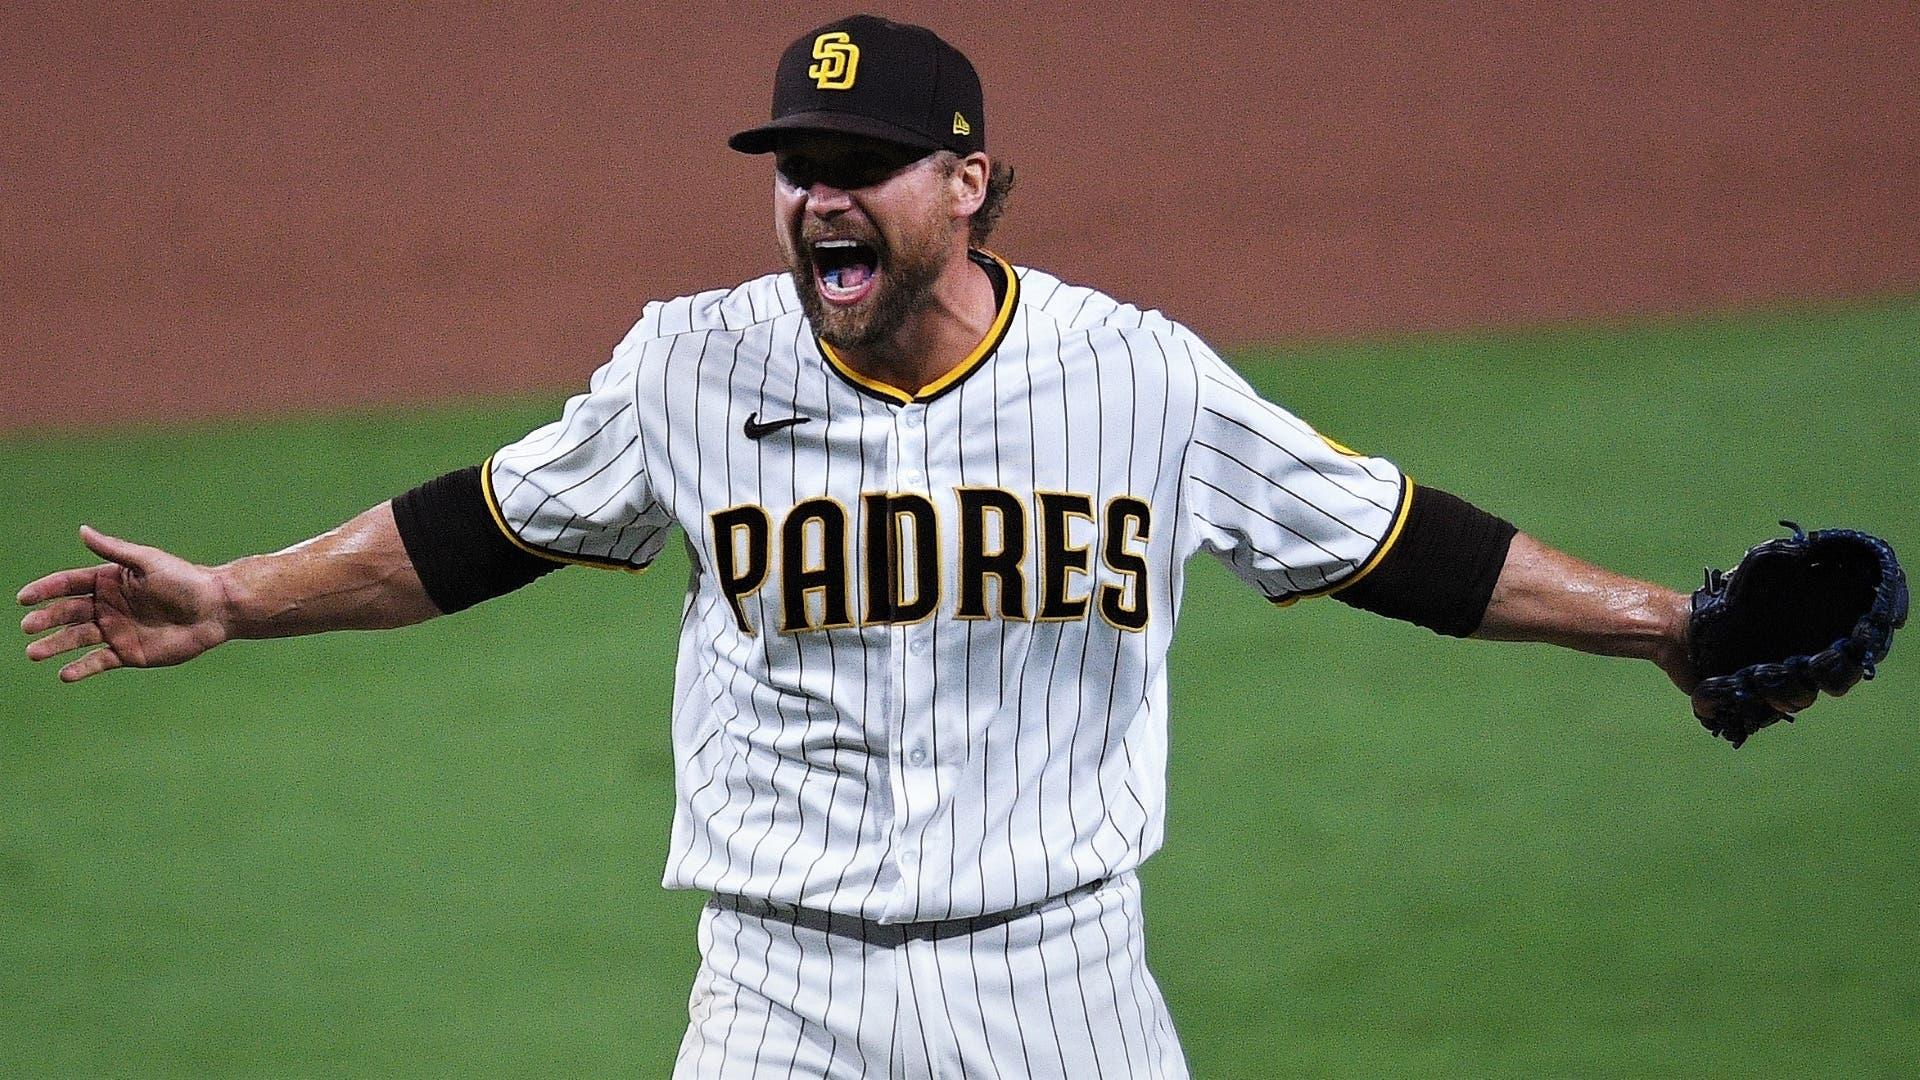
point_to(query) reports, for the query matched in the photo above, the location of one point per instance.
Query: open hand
(147, 607)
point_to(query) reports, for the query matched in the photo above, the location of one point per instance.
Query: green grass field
(436, 851)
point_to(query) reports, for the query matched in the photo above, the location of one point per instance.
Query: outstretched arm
(149, 608)
(1459, 570)
(1547, 595)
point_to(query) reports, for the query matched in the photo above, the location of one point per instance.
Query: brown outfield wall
(206, 212)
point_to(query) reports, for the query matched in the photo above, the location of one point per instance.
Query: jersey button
(913, 419)
(918, 755)
(912, 476)
(909, 857)
(919, 647)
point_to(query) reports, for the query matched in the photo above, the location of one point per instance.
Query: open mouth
(845, 270)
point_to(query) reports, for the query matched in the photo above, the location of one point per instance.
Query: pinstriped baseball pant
(1059, 990)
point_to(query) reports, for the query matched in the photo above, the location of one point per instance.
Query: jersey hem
(499, 519)
(1373, 561)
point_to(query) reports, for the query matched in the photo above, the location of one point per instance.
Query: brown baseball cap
(865, 75)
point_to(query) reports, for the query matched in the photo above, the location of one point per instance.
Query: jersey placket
(916, 790)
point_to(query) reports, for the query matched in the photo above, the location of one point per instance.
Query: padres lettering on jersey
(902, 545)
(922, 667)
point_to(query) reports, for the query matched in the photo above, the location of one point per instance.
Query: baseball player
(938, 509)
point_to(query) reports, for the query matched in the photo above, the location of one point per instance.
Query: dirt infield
(205, 214)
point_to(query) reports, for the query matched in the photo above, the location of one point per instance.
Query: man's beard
(907, 276)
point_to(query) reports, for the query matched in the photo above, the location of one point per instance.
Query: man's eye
(799, 173)
(847, 174)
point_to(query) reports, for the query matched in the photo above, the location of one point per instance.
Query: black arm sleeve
(461, 555)
(1441, 572)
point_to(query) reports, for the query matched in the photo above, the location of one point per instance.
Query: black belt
(879, 933)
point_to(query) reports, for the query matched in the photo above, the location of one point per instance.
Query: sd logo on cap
(839, 60)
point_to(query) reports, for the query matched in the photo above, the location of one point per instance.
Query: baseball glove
(1802, 614)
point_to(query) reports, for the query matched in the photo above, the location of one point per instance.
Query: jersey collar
(995, 267)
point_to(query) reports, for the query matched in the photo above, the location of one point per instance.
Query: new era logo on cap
(868, 76)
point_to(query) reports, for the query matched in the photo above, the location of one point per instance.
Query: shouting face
(867, 228)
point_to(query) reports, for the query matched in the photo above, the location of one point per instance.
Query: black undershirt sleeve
(459, 552)
(1441, 572)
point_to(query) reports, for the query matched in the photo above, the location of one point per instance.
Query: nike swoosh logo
(757, 430)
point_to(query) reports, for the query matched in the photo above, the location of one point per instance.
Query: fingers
(93, 663)
(125, 552)
(80, 581)
(65, 639)
(1847, 681)
(73, 609)
(72, 612)
(1793, 703)
(77, 582)
(1704, 708)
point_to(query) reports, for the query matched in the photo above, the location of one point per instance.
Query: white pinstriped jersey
(922, 661)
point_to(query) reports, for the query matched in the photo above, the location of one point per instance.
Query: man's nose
(824, 199)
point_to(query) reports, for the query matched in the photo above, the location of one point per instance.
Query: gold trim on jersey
(1379, 553)
(500, 519)
(1002, 319)
(1340, 448)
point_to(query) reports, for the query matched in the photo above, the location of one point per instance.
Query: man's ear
(969, 182)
